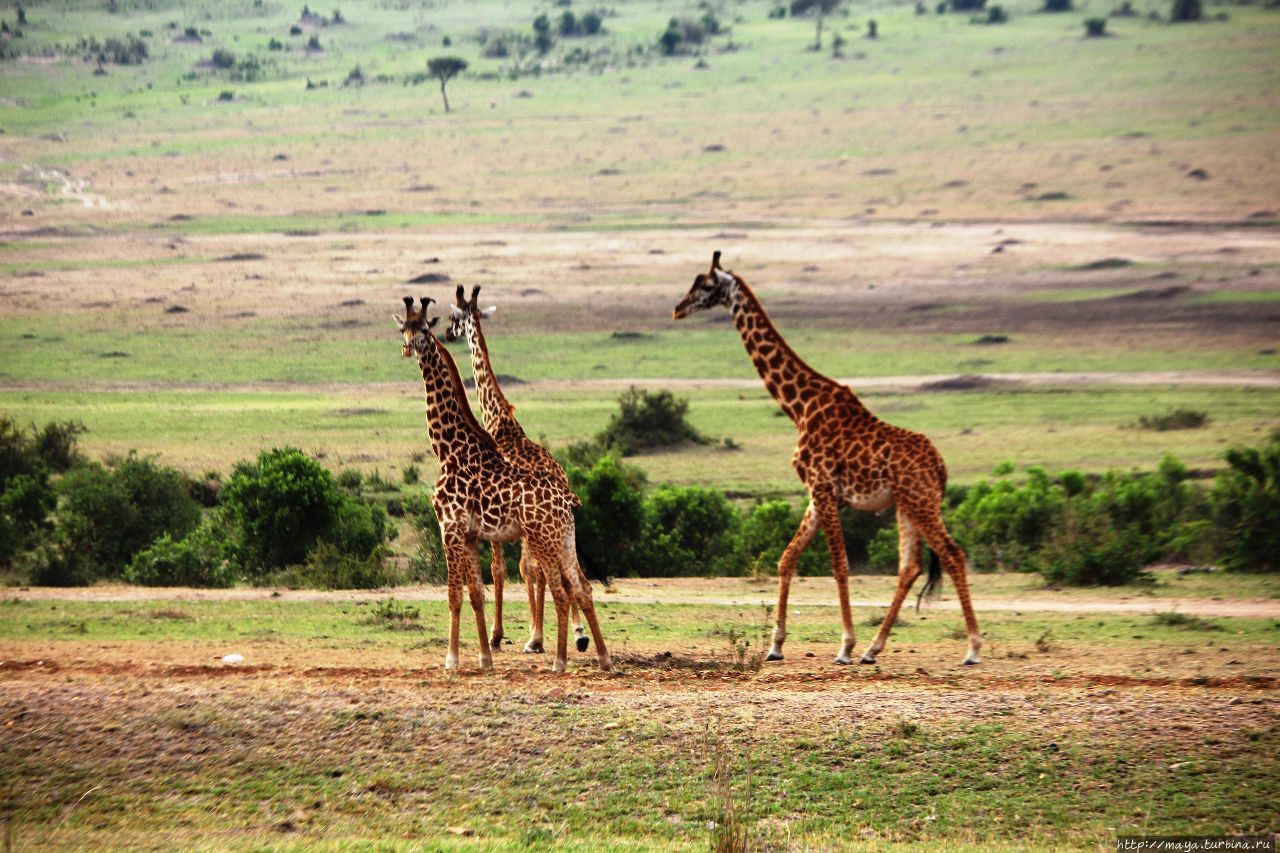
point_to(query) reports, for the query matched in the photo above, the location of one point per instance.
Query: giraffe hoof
(774, 656)
(450, 662)
(559, 666)
(867, 659)
(844, 661)
(972, 661)
(486, 662)
(532, 648)
(606, 665)
(495, 642)
(582, 643)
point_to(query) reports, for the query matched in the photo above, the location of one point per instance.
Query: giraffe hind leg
(498, 569)
(953, 562)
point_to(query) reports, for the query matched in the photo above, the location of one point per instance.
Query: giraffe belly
(872, 500)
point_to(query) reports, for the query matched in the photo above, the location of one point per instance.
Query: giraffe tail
(933, 586)
(592, 570)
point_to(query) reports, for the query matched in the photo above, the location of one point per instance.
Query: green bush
(688, 531)
(281, 507)
(25, 503)
(1000, 523)
(329, 567)
(1175, 418)
(764, 533)
(107, 515)
(26, 498)
(646, 420)
(1088, 549)
(1245, 507)
(56, 444)
(1095, 27)
(610, 523)
(199, 559)
(428, 562)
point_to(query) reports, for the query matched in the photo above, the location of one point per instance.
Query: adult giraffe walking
(845, 456)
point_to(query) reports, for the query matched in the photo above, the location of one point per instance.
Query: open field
(231, 264)
(200, 263)
(339, 729)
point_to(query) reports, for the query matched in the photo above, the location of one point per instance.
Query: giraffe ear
(489, 312)
(431, 324)
(722, 277)
(399, 321)
(455, 311)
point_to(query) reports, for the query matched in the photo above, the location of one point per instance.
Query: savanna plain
(1014, 238)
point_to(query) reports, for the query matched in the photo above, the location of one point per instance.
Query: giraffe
(480, 494)
(844, 456)
(500, 422)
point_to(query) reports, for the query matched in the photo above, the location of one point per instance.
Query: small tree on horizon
(445, 68)
(820, 9)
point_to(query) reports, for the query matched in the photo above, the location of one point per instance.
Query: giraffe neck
(455, 433)
(791, 382)
(494, 408)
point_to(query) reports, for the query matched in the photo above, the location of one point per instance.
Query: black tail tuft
(591, 570)
(933, 586)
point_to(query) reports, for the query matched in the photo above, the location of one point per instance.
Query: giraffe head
(464, 314)
(415, 326)
(711, 288)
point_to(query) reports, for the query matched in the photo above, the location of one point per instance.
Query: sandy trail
(641, 591)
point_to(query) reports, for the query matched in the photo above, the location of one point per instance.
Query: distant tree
(22, 17)
(872, 29)
(1056, 6)
(542, 33)
(820, 9)
(445, 68)
(1095, 27)
(568, 24)
(1185, 10)
(592, 23)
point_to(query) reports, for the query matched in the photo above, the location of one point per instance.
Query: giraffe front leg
(786, 569)
(454, 559)
(908, 571)
(498, 569)
(470, 566)
(829, 515)
(532, 583)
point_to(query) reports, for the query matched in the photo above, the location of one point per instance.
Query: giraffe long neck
(785, 374)
(494, 408)
(455, 433)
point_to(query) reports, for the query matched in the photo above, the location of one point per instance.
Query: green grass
(351, 346)
(381, 426)
(695, 629)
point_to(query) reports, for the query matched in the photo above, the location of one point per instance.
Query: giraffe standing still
(499, 418)
(480, 494)
(845, 456)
